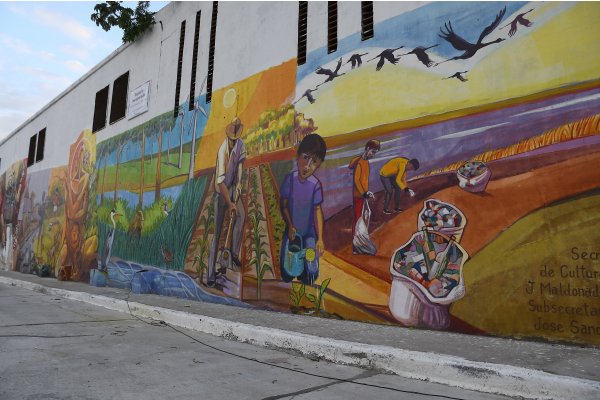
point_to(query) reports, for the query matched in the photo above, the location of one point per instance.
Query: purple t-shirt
(302, 198)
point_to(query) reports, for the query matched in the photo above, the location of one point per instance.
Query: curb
(437, 368)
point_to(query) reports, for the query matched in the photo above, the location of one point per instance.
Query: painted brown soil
(506, 200)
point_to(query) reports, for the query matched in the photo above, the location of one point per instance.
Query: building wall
(496, 235)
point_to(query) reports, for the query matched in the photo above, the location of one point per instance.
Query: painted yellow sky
(562, 51)
(246, 99)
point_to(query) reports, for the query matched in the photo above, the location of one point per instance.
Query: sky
(45, 46)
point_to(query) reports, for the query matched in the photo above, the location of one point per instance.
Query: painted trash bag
(427, 277)
(361, 242)
(473, 176)
(442, 217)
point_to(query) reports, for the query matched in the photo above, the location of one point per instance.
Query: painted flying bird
(459, 76)
(422, 55)
(469, 49)
(355, 60)
(519, 19)
(331, 74)
(387, 54)
(308, 95)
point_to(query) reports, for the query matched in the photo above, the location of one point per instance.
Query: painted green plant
(318, 299)
(257, 236)
(297, 293)
(272, 202)
(200, 260)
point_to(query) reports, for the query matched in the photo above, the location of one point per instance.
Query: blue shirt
(302, 199)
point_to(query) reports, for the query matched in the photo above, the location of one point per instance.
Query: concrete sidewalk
(517, 368)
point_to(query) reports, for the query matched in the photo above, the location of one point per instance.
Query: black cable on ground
(161, 322)
(44, 336)
(65, 323)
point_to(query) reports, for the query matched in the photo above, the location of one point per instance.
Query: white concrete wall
(251, 37)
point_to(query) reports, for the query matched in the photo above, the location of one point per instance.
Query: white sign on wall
(138, 100)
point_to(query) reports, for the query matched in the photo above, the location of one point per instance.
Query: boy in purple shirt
(301, 197)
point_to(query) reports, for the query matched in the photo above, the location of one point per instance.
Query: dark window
(211, 51)
(100, 107)
(302, 31)
(367, 31)
(118, 103)
(332, 26)
(194, 62)
(179, 66)
(31, 154)
(41, 142)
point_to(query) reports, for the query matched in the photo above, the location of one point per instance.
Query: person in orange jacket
(393, 177)
(360, 186)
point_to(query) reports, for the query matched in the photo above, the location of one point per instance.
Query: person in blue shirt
(301, 197)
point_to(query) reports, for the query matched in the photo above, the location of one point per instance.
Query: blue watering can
(296, 255)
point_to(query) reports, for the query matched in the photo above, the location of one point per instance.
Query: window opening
(100, 107)
(41, 143)
(118, 103)
(31, 153)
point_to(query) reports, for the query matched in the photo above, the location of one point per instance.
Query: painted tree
(143, 146)
(182, 131)
(103, 154)
(165, 121)
(119, 144)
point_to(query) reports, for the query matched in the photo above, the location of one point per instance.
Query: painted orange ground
(505, 202)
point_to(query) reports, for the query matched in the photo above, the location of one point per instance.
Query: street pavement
(514, 368)
(54, 348)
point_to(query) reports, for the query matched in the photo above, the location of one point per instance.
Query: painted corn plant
(257, 235)
(207, 221)
(271, 196)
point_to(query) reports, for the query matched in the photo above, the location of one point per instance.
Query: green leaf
(311, 297)
(325, 284)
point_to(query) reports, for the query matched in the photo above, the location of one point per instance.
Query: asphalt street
(54, 348)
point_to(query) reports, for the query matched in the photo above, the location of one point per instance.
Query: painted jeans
(309, 274)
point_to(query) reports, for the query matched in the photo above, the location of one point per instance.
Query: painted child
(301, 198)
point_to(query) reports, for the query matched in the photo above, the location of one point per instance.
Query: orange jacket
(361, 176)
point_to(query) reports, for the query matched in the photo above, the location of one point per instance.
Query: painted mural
(12, 187)
(440, 175)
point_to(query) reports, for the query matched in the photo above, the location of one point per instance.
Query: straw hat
(234, 129)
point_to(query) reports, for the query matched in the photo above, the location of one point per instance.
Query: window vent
(179, 65)
(211, 51)
(302, 31)
(332, 26)
(194, 62)
(367, 31)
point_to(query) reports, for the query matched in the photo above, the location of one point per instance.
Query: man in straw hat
(227, 197)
